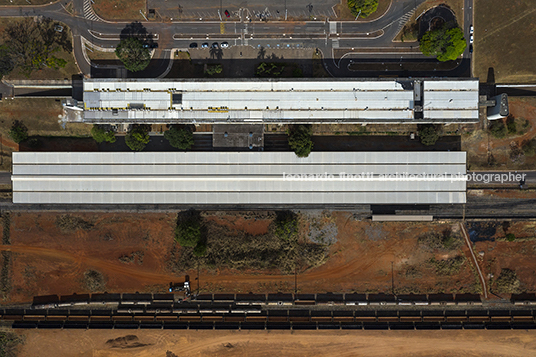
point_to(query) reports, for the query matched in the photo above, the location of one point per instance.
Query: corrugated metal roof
(239, 178)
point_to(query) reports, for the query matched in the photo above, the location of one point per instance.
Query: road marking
(222, 28)
(89, 13)
(333, 27)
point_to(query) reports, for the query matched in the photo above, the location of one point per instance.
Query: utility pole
(142, 14)
(392, 278)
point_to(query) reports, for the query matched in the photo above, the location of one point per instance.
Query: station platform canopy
(289, 101)
(239, 178)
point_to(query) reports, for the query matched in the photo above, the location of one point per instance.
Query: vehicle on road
(471, 39)
(471, 30)
(224, 45)
(204, 45)
(471, 48)
(215, 45)
(150, 45)
(227, 13)
(193, 45)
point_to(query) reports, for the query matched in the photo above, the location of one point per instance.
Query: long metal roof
(275, 100)
(246, 178)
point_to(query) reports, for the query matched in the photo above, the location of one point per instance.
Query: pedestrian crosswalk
(89, 13)
(404, 19)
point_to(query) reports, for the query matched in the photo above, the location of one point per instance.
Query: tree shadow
(491, 76)
(261, 53)
(216, 53)
(137, 30)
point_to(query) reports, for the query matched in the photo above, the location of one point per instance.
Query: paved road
(5, 178)
(325, 35)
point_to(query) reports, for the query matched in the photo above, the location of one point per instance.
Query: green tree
(100, 134)
(299, 139)
(31, 44)
(366, 7)
(179, 138)
(134, 56)
(188, 232)
(18, 132)
(446, 42)
(138, 137)
(428, 134)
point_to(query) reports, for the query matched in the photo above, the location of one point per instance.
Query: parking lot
(254, 9)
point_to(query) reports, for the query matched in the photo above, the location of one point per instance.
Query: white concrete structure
(239, 178)
(388, 100)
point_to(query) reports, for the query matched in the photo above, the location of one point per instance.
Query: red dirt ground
(478, 142)
(490, 343)
(49, 261)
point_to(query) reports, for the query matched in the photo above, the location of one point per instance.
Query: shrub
(529, 147)
(498, 129)
(428, 134)
(511, 125)
(188, 232)
(8, 343)
(366, 7)
(138, 137)
(270, 69)
(18, 132)
(299, 139)
(507, 282)
(179, 138)
(440, 241)
(510, 237)
(449, 266)
(286, 225)
(94, 280)
(213, 69)
(99, 134)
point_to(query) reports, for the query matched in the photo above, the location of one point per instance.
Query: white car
(224, 45)
(471, 40)
(471, 30)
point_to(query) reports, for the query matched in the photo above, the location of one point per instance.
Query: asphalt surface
(327, 36)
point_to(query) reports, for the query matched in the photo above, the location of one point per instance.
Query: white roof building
(385, 100)
(239, 178)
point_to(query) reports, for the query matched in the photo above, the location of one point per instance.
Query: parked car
(204, 45)
(193, 45)
(471, 30)
(227, 13)
(471, 39)
(215, 45)
(471, 48)
(224, 45)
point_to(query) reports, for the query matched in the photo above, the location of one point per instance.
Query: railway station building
(280, 101)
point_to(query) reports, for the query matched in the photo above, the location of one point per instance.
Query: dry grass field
(120, 9)
(505, 34)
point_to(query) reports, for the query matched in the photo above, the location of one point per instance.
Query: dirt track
(66, 343)
(47, 260)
